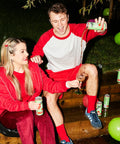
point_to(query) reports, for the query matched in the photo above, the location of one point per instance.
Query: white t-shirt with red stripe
(66, 52)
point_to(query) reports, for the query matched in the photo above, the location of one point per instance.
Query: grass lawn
(31, 23)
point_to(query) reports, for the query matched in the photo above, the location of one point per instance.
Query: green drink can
(106, 100)
(38, 99)
(99, 108)
(105, 112)
(95, 26)
(118, 77)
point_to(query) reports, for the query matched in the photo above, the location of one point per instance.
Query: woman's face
(20, 56)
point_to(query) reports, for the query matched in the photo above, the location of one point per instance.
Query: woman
(20, 82)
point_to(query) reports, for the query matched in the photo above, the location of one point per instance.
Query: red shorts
(66, 75)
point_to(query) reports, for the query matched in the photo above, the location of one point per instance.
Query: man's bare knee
(51, 99)
(89, 69)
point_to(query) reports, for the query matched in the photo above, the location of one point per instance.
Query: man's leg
(56, 115)
(91, 73)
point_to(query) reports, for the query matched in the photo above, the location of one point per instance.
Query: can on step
(106, 100)
(118, 77)
(99, 108)
(105, 112)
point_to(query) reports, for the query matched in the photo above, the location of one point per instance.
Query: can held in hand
(118, 77)
(99, 108)
(95, 26)
(40, 110)
(106, 100)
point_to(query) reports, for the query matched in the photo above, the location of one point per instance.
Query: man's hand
(37, 59)
(102, 22)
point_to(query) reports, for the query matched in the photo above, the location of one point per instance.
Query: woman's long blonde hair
(8, 48)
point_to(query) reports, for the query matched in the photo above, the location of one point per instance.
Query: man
(63, 46)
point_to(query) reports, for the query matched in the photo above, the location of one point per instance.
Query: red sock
(91, 103)
(62, 133)
(85, 101)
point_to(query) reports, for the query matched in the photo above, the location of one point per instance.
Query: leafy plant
(93, 3)
(31, 3)
(88, 8)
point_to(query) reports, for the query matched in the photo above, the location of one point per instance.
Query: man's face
(60, 23)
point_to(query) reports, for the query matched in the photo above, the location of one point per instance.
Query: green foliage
(104, 52)
(88, 8)
(31, 3)
(31, 23)
(17, 22)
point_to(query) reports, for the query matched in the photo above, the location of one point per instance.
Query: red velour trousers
(25, 121)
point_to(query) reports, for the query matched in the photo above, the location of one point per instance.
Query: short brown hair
(58, 8)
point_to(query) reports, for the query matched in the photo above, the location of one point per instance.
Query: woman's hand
(33, 105)
(72, 84)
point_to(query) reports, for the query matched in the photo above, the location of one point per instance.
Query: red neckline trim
(61, 37)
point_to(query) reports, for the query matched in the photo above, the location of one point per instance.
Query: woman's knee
(26, 116)
(25, 123)
(43, 119)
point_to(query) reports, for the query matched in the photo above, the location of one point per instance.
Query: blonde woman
(20, 82)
